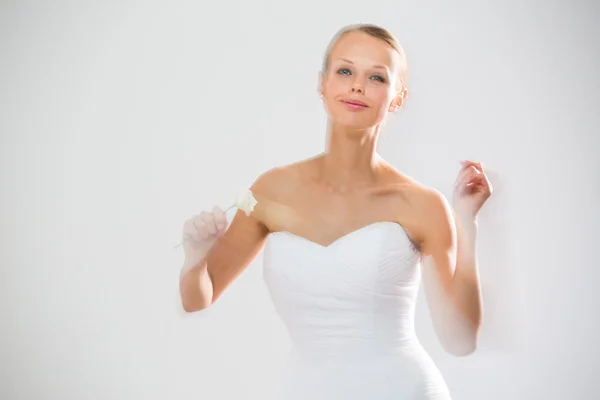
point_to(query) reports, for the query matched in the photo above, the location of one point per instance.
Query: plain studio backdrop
(120, 120)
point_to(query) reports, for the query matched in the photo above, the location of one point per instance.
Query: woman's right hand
(200, 233)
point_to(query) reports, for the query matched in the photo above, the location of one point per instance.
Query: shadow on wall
(503, 329)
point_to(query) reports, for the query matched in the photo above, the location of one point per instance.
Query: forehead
(360, 47)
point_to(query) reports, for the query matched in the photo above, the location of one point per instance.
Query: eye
(346, 71)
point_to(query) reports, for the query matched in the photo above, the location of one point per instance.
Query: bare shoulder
(424, 210)
(275, 190)
(426, 199)
(419, 195)
(432, 216)
(278, 180)
(398, 183)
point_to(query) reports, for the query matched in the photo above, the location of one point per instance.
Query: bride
(347, 239)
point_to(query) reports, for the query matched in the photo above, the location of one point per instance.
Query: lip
(354, 104)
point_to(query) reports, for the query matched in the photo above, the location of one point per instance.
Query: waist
(336, 350)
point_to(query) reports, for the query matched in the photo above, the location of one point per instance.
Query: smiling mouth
(354, 105)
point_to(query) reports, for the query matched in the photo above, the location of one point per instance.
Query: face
(360, 86)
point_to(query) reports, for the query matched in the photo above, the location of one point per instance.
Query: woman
(346, 240)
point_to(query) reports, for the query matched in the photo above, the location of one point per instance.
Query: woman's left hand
(471, 190)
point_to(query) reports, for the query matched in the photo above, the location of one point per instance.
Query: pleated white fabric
(349, 310)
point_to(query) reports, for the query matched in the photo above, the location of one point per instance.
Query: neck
(350, 159)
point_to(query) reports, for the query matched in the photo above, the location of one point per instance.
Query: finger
(465, 181)
(196, 226)
(186, 237)
(220, 218)
(467, 178)
(476, 164)
(468, 163)
(199, 222)
(475, 181)
(483, 181)
(474, 174)
(209, 225)
(464, 175)
(459, 181)
(190, 228)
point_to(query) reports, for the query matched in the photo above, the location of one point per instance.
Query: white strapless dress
(349, 310)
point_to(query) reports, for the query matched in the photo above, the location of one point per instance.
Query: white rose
(246, 201)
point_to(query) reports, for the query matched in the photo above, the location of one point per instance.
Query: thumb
(220, 217)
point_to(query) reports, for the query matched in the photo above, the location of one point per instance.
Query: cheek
(381, 96)
(334, 86)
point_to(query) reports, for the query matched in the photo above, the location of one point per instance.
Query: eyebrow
(374, 66)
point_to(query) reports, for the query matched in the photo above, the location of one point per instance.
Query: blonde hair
(376, 32)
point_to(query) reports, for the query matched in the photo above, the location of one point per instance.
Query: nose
(357, 86)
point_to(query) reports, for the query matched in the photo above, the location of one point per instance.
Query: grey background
(119, 120)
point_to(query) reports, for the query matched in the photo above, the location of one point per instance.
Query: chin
(355, 122)
(360, 120)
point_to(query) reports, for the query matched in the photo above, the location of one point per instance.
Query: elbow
(192, 299)
(192, 304)
(461, 344)
(189, 307)
(463, 349)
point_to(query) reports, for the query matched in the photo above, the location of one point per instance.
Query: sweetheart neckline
(341, 238)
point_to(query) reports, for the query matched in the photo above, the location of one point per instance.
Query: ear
(396, 104)
(320, 84)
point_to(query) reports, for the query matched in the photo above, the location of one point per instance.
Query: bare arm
(203, 283)
(450, 275)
